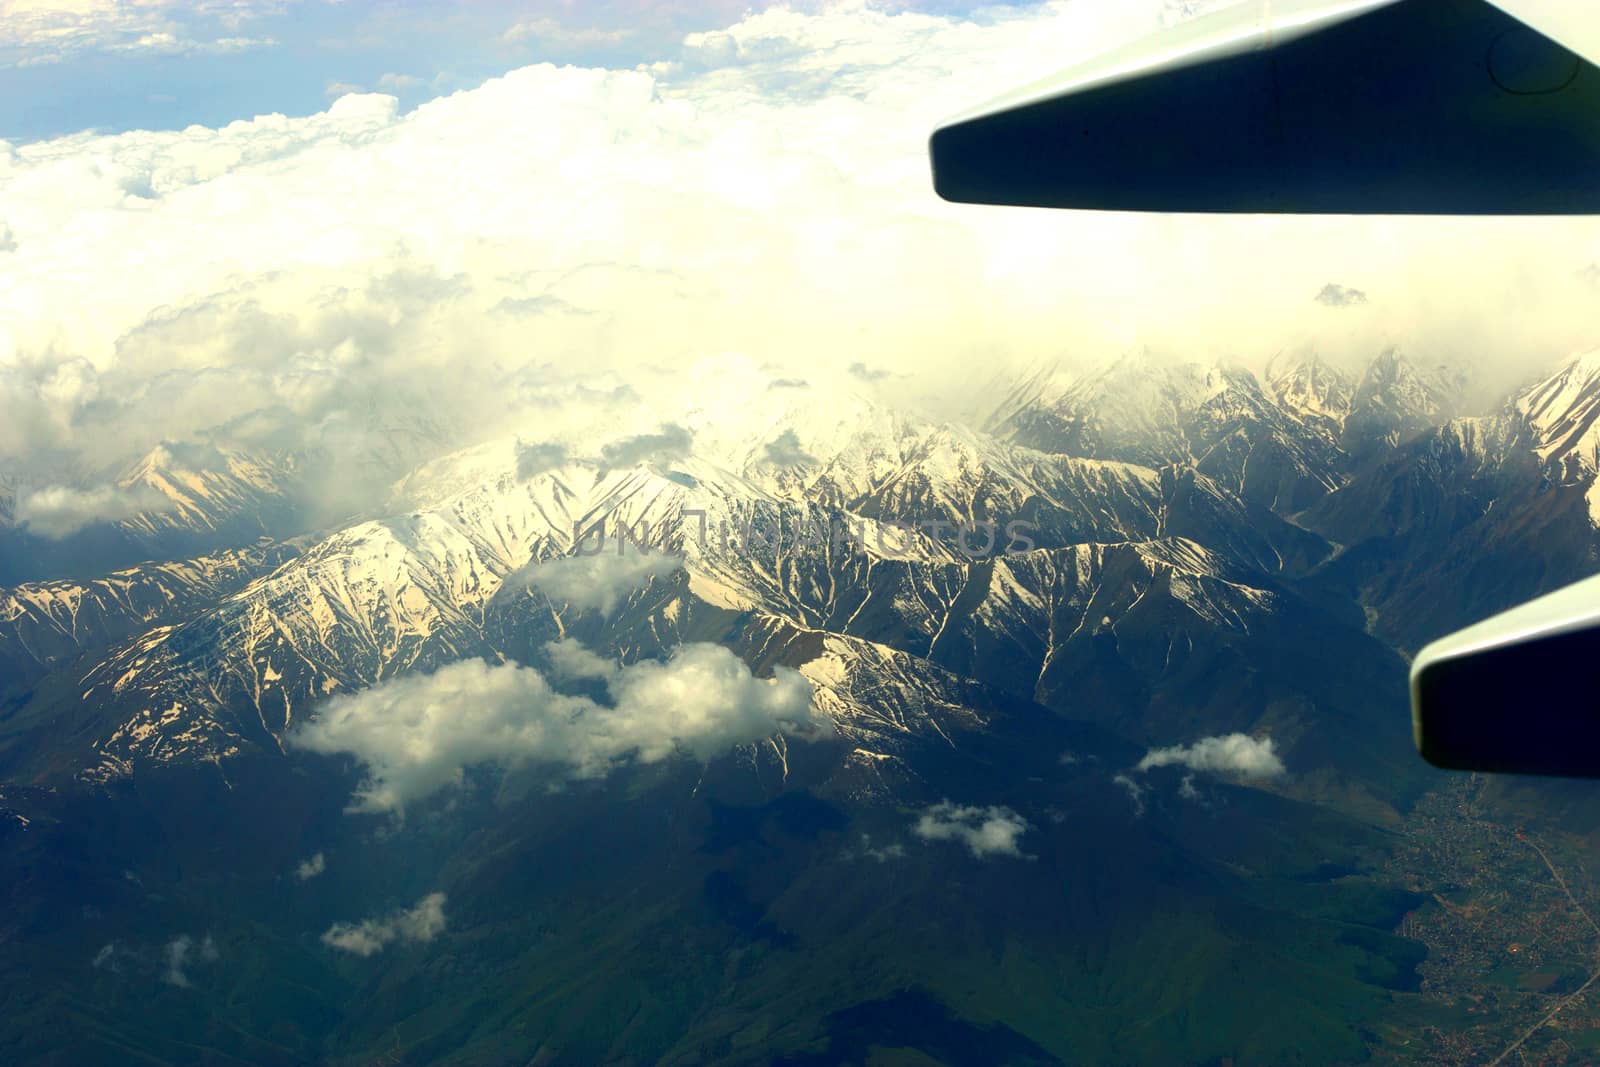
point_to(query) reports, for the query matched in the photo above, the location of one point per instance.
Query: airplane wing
(1516, 692)
(1325, 106)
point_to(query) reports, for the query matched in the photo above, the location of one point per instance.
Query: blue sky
(111, 65)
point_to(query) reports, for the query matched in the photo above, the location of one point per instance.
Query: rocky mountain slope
(1154, 614)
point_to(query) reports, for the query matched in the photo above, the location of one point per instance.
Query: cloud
(603, 580)
(882, 854)
(417, 734)
(990, 831)
(1135, 791)
(547, 31)
(60, 511)
(35, 32)
(570, 661)
(399, 83)
(1238, 755)
(536, 459)
(666, 444)
(309, 869)
(785, 451)
(415, 925)
(868, 374)
(179, 953)
(330, 280)
(1340, 296)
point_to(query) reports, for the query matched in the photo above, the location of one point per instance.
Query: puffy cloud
(536, 459)
(179, 953)
(417, 924)
(59, 511)
(666, 444)
(990, 831)
(417, 734)
(309, 869)
(571, 661)
(1238, 755)
(882, 854)
(1340, 296)
(785, 451)
(600, 581)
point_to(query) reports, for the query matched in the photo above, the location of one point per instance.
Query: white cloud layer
(1237, 755)
(329, 280)
(417, 734)
(417, 924)
(987, 831)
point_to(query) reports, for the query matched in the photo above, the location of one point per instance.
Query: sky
(114, 65)
(274, 225)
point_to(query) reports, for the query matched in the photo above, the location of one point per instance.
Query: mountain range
(1104, 757)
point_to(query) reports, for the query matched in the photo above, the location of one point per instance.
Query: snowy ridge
(43, 622)
(1310, 389)
(1561, 412)
(774, 519)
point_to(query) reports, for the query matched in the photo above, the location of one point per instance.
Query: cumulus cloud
(883, 853)
(600, 581)
(1236, 755)
(180, 953)
(1340, 296)
(571, 661)
(418, 924)
(536, 459)
(666, 444)
(417, 734)
(59, 511)
(785, 451)
(989, 831)
(310, 868)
